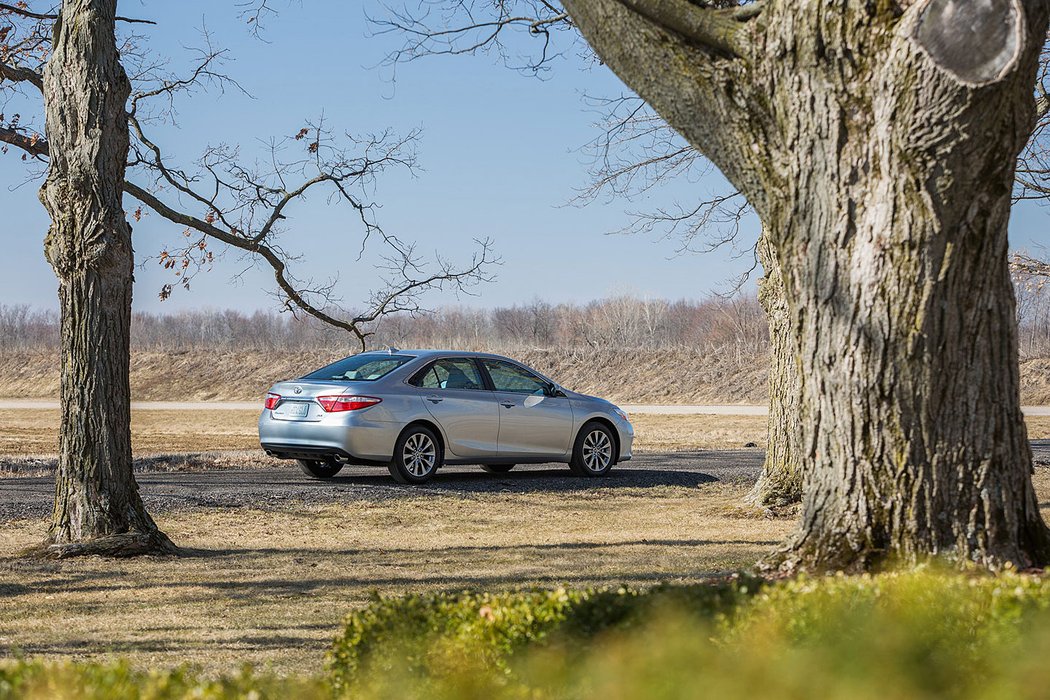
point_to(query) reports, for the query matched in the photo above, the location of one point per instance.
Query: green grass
(922, 634)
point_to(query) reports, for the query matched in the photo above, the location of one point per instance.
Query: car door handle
(507, 404)
(434, 399)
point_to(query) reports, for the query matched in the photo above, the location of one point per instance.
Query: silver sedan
(415, 410)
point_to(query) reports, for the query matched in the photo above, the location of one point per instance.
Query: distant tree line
(1033, 315)
(618, 322)
(735, 324)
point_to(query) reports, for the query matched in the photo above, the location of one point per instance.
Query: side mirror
(555, 391)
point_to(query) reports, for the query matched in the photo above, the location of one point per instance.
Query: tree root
(118, 546)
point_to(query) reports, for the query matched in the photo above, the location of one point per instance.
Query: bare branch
(1033, 165)
(1024, 266)
(634, 154)
(17, 74)
(717, 28)
(246, 208)
(451, 28)
(32, 144)
(270, 256)
(25, 45)
(25, 12)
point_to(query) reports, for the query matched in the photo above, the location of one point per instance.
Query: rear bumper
(315, 453)
(346, 437)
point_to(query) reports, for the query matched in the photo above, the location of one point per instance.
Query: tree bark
(97, 505)
(877, 142)
(780, 483)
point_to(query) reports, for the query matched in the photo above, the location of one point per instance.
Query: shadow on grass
(470, 549)
(299, 586)
(426, 565)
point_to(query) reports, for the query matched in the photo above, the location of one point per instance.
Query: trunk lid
(299, 398)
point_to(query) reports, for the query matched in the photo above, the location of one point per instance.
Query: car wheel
(417, 455)
(498, 468)
(320, 468)
(592, 454)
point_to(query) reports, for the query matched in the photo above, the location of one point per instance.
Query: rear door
(532, 423)
(454, 393)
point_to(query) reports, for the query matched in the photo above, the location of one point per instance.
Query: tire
(320, 468)
(417, 455)
(593, 452)
(498, 468)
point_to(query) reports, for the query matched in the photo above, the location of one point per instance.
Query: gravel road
(271, 487)
(194, 486)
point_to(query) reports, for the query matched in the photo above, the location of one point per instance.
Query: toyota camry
(416, 410)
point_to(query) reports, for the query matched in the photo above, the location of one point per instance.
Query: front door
(532, 423)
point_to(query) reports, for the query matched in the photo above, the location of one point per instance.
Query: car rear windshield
(366, 367)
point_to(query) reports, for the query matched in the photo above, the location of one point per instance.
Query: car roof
(436, 353)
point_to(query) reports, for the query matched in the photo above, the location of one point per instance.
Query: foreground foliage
(37, 680)
(914, 635)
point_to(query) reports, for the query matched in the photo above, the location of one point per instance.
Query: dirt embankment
(631, 376)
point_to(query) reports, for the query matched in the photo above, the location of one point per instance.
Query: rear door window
(450, 373)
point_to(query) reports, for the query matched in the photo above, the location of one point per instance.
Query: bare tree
(72, 61)
(846, 125)
(97, 504)
(636, 151)
(891, 325)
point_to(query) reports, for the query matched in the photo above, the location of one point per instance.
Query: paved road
(37, 404)
(272, 487)
(668, 409)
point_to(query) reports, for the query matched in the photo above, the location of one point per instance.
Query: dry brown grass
(35, 432)
(670, 433)
(1038, 427)
(271, 587)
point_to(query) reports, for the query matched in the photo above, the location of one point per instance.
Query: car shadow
(545, 479)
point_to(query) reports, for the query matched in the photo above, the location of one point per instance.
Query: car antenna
(392, 350)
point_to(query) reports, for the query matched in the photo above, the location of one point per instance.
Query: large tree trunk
(877, 142)
(780, 482)
(97, 505)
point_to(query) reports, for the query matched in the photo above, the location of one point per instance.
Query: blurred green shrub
(903, 635)
(435, 634)
(922, 634)
(39, 680)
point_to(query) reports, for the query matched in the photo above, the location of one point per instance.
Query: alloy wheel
(597, 451)
(419, 455)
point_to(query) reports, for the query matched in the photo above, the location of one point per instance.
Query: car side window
(508, 377)
(450, 373)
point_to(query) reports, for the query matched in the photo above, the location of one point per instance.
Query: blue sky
(499, 155)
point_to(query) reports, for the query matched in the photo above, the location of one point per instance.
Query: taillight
(334, 404)
(272, 400)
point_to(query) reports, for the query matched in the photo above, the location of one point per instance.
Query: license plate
(297, 409)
